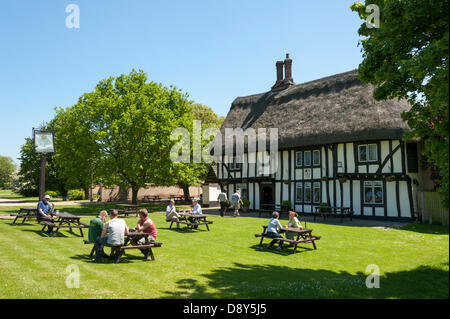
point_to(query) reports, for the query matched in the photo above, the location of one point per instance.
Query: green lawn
(9, 194)
(228, 263)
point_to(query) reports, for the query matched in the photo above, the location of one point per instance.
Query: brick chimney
(281, 83)
(288, 69)
(279, 66)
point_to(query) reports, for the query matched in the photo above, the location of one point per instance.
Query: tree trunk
(123, 194)
(185, 188)
(86, 192)
(134, 191)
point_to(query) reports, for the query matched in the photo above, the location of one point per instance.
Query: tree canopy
(406, 56)
(7, 169)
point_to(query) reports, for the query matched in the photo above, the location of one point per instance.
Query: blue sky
(214, 50)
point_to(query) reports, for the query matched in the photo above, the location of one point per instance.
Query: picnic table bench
(201, 220)
(65, 220)
(24, 212)
(152, 198)
(126, 209)
(325, 211)
(131, 242)
(304, 236)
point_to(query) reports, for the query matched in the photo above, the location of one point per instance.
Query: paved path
(12, 202)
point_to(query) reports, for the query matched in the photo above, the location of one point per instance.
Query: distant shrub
(245, 203)
(75, 194)
(52, 194)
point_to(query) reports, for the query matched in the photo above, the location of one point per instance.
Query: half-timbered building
(336, 145)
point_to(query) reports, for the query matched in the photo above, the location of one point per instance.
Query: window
(298, 159)
(307, 193)
(316, 192)
(299, 193)
(316, 158)
(412, 158)
(368, 153)
(373, 192)
(307, 161)
(234, 164)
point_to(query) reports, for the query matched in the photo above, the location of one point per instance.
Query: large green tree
(7, 169)
(187, 174)
(130, 121)
(406, 56)
(77, 153)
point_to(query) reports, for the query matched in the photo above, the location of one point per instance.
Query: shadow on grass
(184, 229)
(286, 251)
(273, 282)
(45, 234)
(125, 259)
(426, 229)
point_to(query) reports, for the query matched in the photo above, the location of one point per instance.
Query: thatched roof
(338, 108)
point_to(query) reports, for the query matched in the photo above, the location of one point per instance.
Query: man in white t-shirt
(113, 234)
(235, 201)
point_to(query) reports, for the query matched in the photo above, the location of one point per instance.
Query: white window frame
(297, 187)
(367, 160)
(316, 185)
(304, 158)
(307, 185)
(373, 185)
(312, 159)
(296, 159)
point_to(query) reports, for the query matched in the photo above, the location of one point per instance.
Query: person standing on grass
(272, 230)
(223, 200)
(96, 226)
(116, 229)
(44, 212)
(236, 200)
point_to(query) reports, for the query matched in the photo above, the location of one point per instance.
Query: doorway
(267, 196)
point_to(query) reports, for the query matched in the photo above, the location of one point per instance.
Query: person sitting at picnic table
(113, 234)
(96, 226)
(293, 222)
(42, 212)
(272, 230)
(196, 210)
(171, 212)
(146, 225)
(236, 200)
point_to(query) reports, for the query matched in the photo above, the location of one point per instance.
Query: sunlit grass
(227, 262)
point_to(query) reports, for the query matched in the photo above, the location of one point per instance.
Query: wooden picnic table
(152, 198)
(127, 209)
(25, 212)
(201, 220)
(131, 242)
(325, 211)
(304, 236)
(65, 220)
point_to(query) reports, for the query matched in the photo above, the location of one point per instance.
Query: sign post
(44, 142)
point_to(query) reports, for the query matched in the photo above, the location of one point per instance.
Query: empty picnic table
(127, 209)
(201, 220)
(304, 236)
(25, 212)
(65, 220)
(152, 198)
(325, 211)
